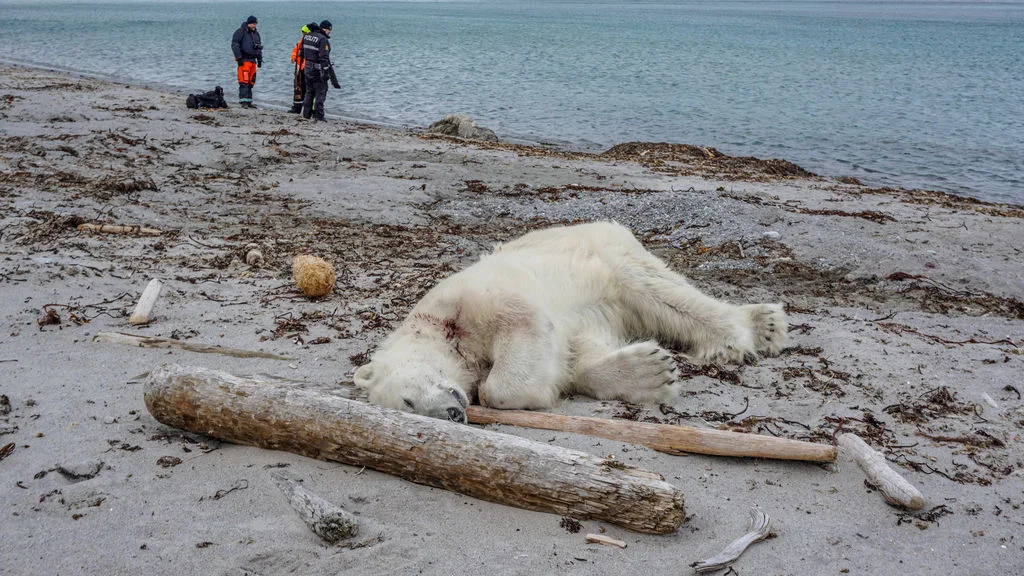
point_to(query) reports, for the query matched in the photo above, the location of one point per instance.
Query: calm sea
(923, 94)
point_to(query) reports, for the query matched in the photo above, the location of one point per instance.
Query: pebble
(772, 235)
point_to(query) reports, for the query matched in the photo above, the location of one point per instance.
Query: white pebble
(772, 235)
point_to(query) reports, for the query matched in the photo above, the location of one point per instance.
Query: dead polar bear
(576, 309)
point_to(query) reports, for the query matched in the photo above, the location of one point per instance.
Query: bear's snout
(457, 415)
(448, 404)
(453, 412)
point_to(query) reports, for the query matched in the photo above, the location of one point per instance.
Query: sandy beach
(906, 310)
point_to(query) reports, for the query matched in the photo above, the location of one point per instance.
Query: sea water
(921, 94)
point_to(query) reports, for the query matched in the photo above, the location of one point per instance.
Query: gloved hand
(335, 84)
(239, 62)
(259, 62)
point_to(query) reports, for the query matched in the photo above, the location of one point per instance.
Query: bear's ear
(365, 376)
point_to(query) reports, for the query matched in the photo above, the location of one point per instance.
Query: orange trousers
(247, 73)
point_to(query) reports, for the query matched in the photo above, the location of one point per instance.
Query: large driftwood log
(480, 463)
(667, 438)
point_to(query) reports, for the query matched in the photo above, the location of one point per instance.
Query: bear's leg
(529, 366)
(640, 372)
(669, 308)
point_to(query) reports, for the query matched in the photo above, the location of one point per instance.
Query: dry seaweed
(938, 402)
(872, 215)
(922, 519)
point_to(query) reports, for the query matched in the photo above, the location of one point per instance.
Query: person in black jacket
(316, 50)
(248, 49)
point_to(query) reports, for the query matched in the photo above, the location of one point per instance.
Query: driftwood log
(668, 438)
(479, 463)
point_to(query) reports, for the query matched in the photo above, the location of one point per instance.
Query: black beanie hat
(251, 20)
(326, 25)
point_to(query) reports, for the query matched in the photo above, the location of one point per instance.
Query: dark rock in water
(462, 126)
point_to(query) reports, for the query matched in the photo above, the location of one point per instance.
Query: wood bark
(479, 463)
(146, 302)
(894, 488)
(326, 520)
(668, 438)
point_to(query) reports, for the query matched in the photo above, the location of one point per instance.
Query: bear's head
(412, 386)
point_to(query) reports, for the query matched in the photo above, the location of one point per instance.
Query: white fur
(576, 309)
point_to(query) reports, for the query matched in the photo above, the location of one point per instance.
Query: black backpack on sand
(212, 99)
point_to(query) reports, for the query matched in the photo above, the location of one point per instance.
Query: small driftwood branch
(326, 520)
(894, 488)
(668, 438)
(760, 527)
(146, 302)
(153, 342)
(118, 229)
(480, 463)
(605, 540)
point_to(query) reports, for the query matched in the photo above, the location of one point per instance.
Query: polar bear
(577, 309)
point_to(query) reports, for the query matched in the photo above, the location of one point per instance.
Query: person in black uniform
(316, 50)
(248, 49)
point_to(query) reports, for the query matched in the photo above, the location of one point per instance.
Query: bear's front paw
(735, 347)
(769, 327)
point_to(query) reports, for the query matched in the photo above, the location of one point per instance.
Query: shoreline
(541, 143)
(906, 318)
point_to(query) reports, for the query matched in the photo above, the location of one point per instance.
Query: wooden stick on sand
(145, 306)
(326, 520)
(118, 229)
(668, 438)
(894, 488)
(154, 342)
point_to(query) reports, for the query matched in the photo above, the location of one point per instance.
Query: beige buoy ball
(315, 276)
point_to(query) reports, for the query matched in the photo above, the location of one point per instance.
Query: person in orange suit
(248, 49)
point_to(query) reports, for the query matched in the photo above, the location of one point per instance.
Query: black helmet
(326, 25)
(313, 26)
